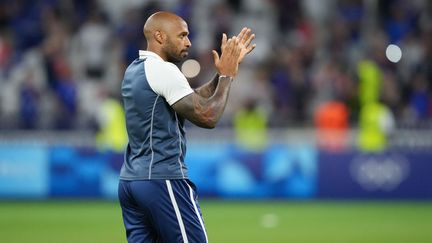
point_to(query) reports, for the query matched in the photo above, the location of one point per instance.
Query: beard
(173, 54)
(174, 58)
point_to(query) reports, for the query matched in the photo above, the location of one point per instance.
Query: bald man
(158, 201)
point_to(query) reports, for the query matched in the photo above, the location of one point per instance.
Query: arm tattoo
(206, 90)
(202, 111)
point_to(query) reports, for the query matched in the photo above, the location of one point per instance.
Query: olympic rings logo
(379, 172)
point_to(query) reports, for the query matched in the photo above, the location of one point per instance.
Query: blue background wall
(224, 170)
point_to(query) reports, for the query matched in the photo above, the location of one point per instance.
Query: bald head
(161, 21)
(167, 36)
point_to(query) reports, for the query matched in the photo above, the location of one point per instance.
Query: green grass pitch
(228, 221)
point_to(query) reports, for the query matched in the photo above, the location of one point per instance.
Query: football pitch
(228, 221)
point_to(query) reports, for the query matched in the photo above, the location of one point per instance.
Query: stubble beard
(172, 54)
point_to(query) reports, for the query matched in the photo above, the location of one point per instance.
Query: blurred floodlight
(191, 68)
(393, 53)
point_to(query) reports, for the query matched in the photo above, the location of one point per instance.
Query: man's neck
(157, 50)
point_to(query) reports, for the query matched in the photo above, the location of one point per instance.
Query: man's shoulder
(161, 67)
(159, 62)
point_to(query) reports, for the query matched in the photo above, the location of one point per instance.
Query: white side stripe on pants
(197, 212)
(177, 211)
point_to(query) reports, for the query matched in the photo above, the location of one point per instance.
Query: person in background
(250, 124)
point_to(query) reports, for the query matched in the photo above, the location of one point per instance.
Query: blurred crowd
(60, 60)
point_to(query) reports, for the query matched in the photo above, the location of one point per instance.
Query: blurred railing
(418, 139)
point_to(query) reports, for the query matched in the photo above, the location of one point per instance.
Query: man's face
(177, 43)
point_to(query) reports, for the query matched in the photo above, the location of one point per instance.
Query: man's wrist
(226, 77)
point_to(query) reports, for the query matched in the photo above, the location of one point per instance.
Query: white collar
(143, 54)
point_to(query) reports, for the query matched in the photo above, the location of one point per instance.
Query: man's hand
(205, 111)
(227, 63)
(245, 39)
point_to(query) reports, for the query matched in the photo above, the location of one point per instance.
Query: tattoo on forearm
(205, 112)
(202, 106)
(208, 89)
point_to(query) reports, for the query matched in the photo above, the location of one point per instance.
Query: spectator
(111, 135)
(250, 125)
(331, 122)
(375, 127)
(29, 104)
(94, 41)
(314, 52)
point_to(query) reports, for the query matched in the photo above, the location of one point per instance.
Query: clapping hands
(245, 38)
(233, 51)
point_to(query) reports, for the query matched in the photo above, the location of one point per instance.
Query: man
(159, 202)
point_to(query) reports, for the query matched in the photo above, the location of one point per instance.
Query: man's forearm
(207, 90)
(213, 108)
(205, 112)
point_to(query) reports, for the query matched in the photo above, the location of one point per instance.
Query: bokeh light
(191, 68)
(393, 53)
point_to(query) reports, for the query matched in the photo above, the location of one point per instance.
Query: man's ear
(159, 36)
